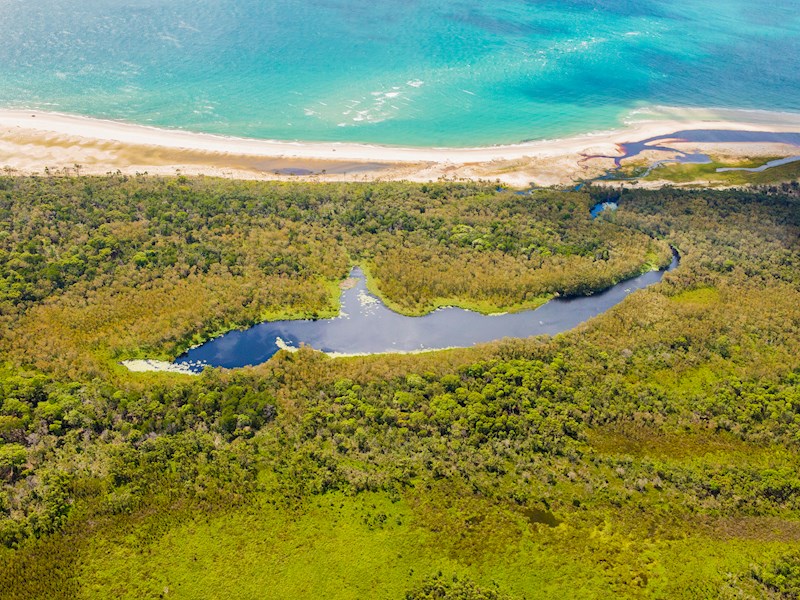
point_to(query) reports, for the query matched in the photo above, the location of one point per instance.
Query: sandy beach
(34, 141)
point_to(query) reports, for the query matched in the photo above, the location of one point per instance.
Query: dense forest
(652, 452)
(121, 266)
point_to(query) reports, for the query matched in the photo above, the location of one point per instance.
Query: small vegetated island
(651, 452)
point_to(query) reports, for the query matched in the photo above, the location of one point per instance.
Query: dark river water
(366, 326)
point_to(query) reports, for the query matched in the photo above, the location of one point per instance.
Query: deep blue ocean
(410, 72)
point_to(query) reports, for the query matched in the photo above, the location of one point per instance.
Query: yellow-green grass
(702, 296)
(699, 446)
(371, 546)
(706, 174)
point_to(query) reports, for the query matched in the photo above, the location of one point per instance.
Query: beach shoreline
(32, 142)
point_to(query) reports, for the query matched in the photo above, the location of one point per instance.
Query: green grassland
(372, 546)
(650, 453)
(706, 174)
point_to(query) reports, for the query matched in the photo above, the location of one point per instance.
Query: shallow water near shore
(366, 326)
(423, 73)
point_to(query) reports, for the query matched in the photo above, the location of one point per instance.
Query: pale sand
(280, 343)
(159, 366)
(32, 141)
(388, 352)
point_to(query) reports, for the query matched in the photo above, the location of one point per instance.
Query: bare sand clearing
(157, 366)
(32, 141)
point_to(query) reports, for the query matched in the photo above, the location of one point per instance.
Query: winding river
(366, 326)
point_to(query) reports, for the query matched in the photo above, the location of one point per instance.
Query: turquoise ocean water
(410, 72)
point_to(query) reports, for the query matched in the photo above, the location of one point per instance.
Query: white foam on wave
(170, 39)
(573, 45)
(375, 106)
(379, 106)
(187, 27)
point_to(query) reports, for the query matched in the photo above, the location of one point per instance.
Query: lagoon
(366, 326)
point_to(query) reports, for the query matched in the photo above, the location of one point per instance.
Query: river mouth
(664, 143)
(366, 325)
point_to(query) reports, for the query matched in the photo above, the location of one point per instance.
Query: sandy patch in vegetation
(158, 366)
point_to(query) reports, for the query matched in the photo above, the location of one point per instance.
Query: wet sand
(36, 142)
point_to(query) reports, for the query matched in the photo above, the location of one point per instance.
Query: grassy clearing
(698, 297)
(707, 174)
(721, 448)
(374, 546)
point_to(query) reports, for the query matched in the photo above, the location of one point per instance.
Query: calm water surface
(366, 325)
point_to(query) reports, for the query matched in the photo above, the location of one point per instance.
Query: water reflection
(366, 326)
